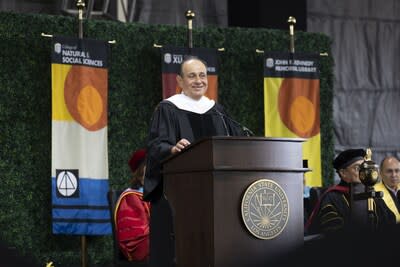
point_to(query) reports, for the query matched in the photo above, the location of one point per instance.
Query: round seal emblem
(265, 209)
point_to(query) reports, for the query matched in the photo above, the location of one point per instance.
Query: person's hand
(179, 146)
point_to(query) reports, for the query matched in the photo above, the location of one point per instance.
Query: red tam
(137, 157)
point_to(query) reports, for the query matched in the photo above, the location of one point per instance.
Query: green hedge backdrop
(134, 91)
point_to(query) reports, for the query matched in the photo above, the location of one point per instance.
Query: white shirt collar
(184, 102)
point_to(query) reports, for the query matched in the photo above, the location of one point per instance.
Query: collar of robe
(184, 102)
(388, 199)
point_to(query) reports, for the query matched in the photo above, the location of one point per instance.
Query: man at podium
(177, 122)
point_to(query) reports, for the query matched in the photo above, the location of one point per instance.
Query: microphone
(246, 130)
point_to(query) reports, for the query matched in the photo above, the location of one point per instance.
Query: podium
(236, 201)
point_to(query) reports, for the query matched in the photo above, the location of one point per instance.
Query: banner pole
(80, 4)
(291, 21)
(189, 16)
(83, 251)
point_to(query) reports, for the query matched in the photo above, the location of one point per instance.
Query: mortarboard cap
(347, 157)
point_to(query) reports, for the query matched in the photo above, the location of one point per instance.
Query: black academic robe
(332, 213)
(168, 125)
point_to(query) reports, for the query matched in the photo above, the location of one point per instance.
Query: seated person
(332, 211)
(390, 184)
(133, 214)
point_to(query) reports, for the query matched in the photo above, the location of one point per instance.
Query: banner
(171, 59)
(292, 104)
(79, 168)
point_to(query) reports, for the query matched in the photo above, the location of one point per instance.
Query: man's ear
(179, 80)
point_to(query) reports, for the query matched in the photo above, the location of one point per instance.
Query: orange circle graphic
(85, 93)
(298, 104)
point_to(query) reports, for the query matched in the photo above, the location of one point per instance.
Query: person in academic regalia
(133, 214)
(176, 123)
(389, 171)
(333, 212)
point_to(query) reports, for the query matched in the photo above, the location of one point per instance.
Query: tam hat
(347, 157)
(136, 159)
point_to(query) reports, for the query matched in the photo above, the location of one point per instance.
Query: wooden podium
(206, 186)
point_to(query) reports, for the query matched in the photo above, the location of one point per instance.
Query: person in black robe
(177, 122)
(337, 209)
(389, 171)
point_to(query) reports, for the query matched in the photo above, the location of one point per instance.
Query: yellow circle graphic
(89, 105)
(302, 114)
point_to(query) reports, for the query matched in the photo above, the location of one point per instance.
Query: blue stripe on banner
(87, 214)
(81, 214)
(82, 228)
(92, 192)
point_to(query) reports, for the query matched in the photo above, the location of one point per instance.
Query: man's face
(390, 173)
(351, 173)
(193, 79)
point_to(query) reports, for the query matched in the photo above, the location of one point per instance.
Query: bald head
(390, 172)
(193, 78)
(188, 59)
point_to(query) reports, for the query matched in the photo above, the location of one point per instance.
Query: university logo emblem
(67, 182)
(265, 209)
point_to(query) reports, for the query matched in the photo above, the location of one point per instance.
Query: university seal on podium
(265, 209)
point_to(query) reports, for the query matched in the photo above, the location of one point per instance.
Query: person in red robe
(133, 214)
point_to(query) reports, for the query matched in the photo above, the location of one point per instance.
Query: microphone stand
(223, 121)
(246, 130)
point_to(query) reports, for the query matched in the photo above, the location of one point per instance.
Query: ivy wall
(134, 91)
